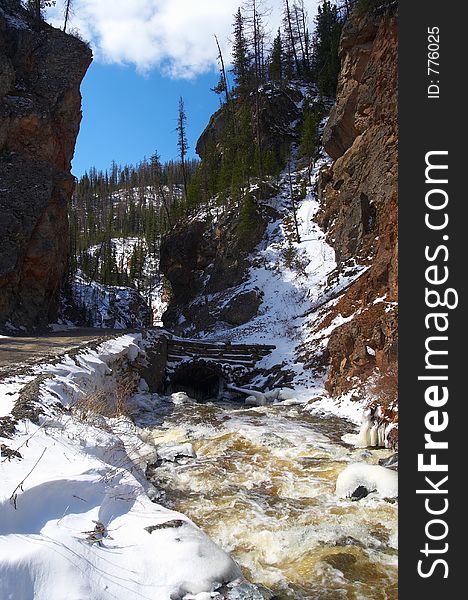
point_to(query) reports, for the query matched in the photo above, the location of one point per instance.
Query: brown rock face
(359, 197)
(41, 69)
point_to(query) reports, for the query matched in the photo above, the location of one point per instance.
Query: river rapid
(262, 486)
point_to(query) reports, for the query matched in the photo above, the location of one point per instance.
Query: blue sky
(127, 115)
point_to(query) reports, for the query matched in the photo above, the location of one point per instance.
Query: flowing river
(262, 486)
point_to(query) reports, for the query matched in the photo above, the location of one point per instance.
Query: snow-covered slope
(150, 284)
(109, 306)
(77, 518)
(292, 270)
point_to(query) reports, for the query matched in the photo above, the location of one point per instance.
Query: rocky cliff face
(359, 197)
(41, 69)
(279, 110)
(203, 264)
(206, 261)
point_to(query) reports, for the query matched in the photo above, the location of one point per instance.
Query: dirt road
(17, 354)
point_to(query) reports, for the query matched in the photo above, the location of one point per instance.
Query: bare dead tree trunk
(291, 36)
(67, 9)
(305, 31)
(223, 71)
(299, 32)
(257, 84)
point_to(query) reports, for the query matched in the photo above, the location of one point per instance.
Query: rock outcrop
(203, 263)
(41, 69)
(359, 197)
(279, 108)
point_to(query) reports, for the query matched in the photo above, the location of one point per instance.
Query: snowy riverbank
(76, 516)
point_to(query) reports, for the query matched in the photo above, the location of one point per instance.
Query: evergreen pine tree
(248, 214)
(241, 57)
(325, 59)
(182, 142)
(309, 137)
(36, 7)
(276, 60)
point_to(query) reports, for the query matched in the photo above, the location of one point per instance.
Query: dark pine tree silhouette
(325, 60)
(182, 142)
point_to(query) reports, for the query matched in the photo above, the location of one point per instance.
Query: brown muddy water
(262, 486)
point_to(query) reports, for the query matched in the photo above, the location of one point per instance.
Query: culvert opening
(200, 381)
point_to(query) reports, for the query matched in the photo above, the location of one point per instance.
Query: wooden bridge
(224, 354)
(203, 369)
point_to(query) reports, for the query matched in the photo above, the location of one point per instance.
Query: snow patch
(345, 406)
(373, 478)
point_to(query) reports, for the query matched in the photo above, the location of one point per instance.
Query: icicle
(374, 435)
(381, 435)
(363, 440)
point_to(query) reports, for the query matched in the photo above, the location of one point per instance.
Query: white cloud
(175, 36)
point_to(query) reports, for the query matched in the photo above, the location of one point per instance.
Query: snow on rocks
(256, 398)
(286, 394)
(259, 400)
(77, 478)
(110, 306)
(370, 478)
(345, 406)
(9, 393)
(90, 371)
(391, 462)
(172, 453)
(180, 398)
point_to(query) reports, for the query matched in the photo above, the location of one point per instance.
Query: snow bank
(373, 478)
(91, 370)
(9, 393)
(344, 406)
(45, 551)
(76, 516)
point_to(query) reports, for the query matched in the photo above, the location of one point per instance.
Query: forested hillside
(272, 99)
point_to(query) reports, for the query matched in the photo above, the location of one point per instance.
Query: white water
(263, 487)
